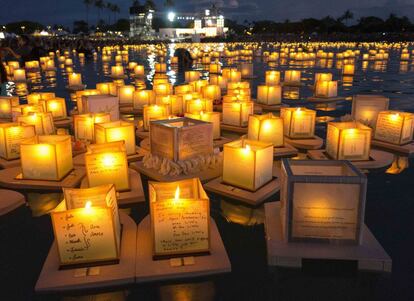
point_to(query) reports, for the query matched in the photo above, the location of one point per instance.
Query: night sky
(66, 11)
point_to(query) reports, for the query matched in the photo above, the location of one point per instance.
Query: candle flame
(88, 205)
(177, 194)
(395, 116)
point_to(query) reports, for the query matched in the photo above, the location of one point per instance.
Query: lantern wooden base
(9, 163)
(234, 129)
(311, 143)
(79, 160)
(145, 144)
(125, 198)
(63, 122)
(205, 175)
(75, 88)
(271, 108)
(370, 255)
(9, 179)
(406, 149)
(149, 270)
(315, 99)
(129, 109)
(10, 201)
(118, 76)
(53, 280)
(286, 84)
(256, 109)
(217, 143)
(285, 151)
(142, 134)
(256, 198)
(378, 159)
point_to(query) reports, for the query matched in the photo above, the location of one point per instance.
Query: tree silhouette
(346, 16)
(100, 5)
(149, 4)
(169, 3)
(87, 3)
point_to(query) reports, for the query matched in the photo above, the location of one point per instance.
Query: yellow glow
(108, 160)
(177, 193)
(247, 149)
(266, 125)
(43, 150)
(395, 117)
(53, 105)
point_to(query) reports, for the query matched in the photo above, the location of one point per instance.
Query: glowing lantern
(199, 84)
(126, 94)
(6, 105)
(195, 106)
(183, 89)
(246, 70)
(272, 78)
(266, 128)
(365, 108)
(212, 92)
(394, 127)
(154, 112)
(298, 122)
(218, 80)
(46, 157)
(214, 68)
(181, 138)
(247, 164)
(19, 75)
(84, 125)
(348, 69)
(326, 89)
(323, 77)
(269, 95)
(163, 89)
(213, 117)
(101, 104)
(11, 135)
(107, 164)
(237, 113)
(173, 204)
(292, 77)
(322, 202)
(232, 75)
(173, 102)
(93, 212)
(160, 67)
(103, 88)
(191, 76)
(43, 122)
(117, 131)
(139, 71)
(32, 65)
(142, 98)
(57, 107)
(75, 79)
(348, 141)
(117, 71)
(238, 88)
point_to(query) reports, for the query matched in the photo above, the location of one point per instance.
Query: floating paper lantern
(115, 85)
(212, 92)
(348, 69)
(394, 127)
(181, 138)
(43, 122)
(6, 105)
(237, 113)
(101, 104)
(125, 94)
(231, 74)
(25, 110)
(84, 125)
(246, 70)
(107, 164)
(19, 75)
(191, 76)
(199, 84)
(142, 98)
(117, 131)
(247, 164)
(218, 80)
(272, 78)
(56, 106)
(93, 219)
(139, 71)
(322, 202)
(103, 88)
(163, 89)
(174, 60)
(212, 117)
(238, 88)
(266, 128)
(323, 77)
(172, 205)
(32, 65)
(11, 135)
(298, 122)
(365, 108)
(326, 89)
(117, 71)
(214, 68)
(348, 141)
(292, 77)
(195, 106)
(269, 95)
(173, 102)
(183, 89)
(75, 79)
(154, 112)
(46, 157)
(160, 67)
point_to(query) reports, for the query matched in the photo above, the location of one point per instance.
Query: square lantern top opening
(349, 125)
(251, 145)
(322, 168)
(179, 122)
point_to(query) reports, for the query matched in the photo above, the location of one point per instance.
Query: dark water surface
(389, 210)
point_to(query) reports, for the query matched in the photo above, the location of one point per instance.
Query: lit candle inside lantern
(218, 80)
(107, 164)
(11, 135)
(154, 112)
(43, 122)
(75, 79)
(32, 65)
(139, 71)
(19, 75)
(238, 88)
(272, 78)
(117, 131)
(348, 141)
(173, 102)
(365, 108)
(269, 95)
(298, 122)
(103, 88)
(57, 107)
(191, 76)
(232, 75)
(132, 65)
(326, 88)
(292, 77)
(126, 94)
(68, 62)
(199, 84)
(46, 157)
(84, 125)
(237, 113)
(6, 105)
(183, 89)
(195, 106)
(212, 92)
(323, 77)
(160, 67)
(266, 128)
(174, 60)
(213, 117)
(247, 164)
(394, 127)
(348, 69)
(163, 89)
(246, 70)
(117, 71)
(214, 68)
(142, 98)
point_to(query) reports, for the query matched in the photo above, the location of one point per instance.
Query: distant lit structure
(209, 23)
(140, 19)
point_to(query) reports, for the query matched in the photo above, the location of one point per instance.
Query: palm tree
(149, 4)
(87, 4)
(169, 3)
(115, 9)
(347, 15)
(99, 4)
(108, 7)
